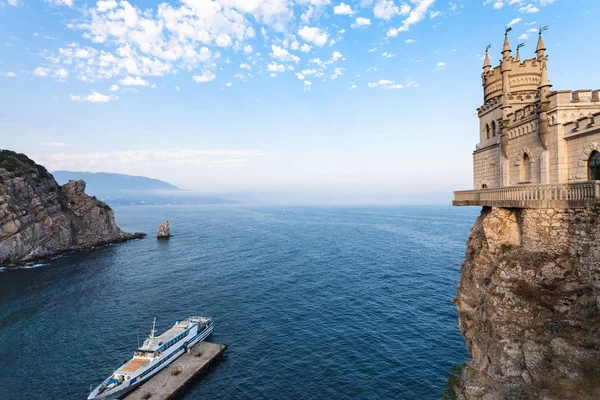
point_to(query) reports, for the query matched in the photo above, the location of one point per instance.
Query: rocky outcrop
(529, 305)
(39, 219)
(163, 231)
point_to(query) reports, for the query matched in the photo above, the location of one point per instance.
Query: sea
(313, 302)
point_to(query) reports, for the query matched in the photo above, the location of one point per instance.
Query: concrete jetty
(182, 371)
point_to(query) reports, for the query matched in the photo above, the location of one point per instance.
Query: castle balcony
(566, 195)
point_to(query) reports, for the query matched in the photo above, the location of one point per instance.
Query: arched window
(526, 169)
(487, 131)
(594, 166)
(493, 128)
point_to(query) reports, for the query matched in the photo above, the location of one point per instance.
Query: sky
(316, 101)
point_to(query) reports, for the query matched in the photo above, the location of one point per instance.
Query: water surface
(319, 303)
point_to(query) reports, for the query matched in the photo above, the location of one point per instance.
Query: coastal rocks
(163, 231)
(529, 305)
(39, 219)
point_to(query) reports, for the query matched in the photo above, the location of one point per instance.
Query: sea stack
(163, 231)
(39, 219)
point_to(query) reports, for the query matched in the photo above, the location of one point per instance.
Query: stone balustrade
(568, 195)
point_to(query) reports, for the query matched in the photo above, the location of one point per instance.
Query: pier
(171, 380)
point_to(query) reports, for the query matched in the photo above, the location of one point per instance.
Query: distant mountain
(120, 189)
(104, 182)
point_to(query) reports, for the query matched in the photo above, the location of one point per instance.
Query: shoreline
(28, 264)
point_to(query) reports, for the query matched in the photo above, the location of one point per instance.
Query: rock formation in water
(39, 219)
(163, 231)
(529, 305)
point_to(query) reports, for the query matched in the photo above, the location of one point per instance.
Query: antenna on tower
(508, 30)
(543, 28)
(489, 46)
(520, 45)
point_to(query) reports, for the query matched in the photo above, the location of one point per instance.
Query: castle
(537, 148)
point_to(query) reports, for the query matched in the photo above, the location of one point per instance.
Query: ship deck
(174, 331)
(135, 364)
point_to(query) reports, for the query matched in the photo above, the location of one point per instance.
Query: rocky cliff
(39, 219)
(529, 305)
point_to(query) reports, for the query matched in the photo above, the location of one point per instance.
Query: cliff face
(529, 305)
(39, 219)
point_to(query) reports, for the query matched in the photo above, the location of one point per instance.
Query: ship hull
(122, 390)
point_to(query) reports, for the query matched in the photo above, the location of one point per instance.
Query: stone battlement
(524, 76)
(562, 98)
(582, 125)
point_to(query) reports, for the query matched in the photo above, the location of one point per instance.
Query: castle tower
(538, 148)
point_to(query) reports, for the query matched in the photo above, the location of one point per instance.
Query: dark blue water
(316, 304)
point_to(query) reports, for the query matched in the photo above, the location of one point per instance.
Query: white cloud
(515, 21)
(105, 5)
(386, 84)
(206, 76)
(337, 72)
(246, 66)
(274, 67)
(385, 9)
(440, 66)
(248, 49)
(415, 15)
(229, 84)
(343, 9)
(523, 37)
(14, 3)
(40, 71)
(305, 48)
(177, 88)
(114, 88)
(94, 97)
(282, 54)
(313, 35)
(9, 74)
(54, 144)
(387, 55)
(529, 9)
(335, 56)
(131, 81)
(410, 41)
(165, 158)
(434, 14)
(498, 4)
(68, 3)
(361, 22)
(353, 86)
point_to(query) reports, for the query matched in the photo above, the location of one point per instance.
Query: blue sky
(310, 100)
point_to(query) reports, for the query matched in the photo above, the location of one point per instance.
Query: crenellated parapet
(562, 98)
(523, 77)
(582, 125)
(489, 105)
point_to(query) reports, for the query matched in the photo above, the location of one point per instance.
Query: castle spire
(506, 48)
(487, 65)
(518, 57)
(544, 81)
(541, 47)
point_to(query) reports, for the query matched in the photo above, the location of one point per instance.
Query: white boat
(156, 353)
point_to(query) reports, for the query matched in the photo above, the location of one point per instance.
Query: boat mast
(152, 331)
